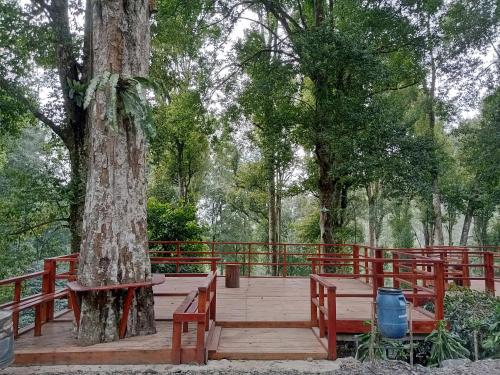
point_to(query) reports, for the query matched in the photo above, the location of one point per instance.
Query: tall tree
(114, 246)
(267, 101)
(38, 36)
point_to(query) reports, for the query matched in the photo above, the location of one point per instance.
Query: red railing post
(367, 266)
(355, 255)
(284, 271)
(332, 323)
(178, 255)
(249, 261)
(379, 267)
(489, 272)
(465, 269)
(15, 315)
(202, 326)
(48, 286)
(213, 304)
(395, 269)
(321, 303)
(314, 310)
(439, 289)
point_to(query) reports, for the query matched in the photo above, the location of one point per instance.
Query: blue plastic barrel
(391, 313)
(6, 339)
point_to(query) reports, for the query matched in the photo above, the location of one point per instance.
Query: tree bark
(464, 237)
(272, 220)
(326, 190)
(114, 245)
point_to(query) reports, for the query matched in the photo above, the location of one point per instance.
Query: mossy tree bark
(114, 238)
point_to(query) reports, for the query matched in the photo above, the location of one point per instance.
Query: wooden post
(414, 281)
(213, 304)
(249, 261)
(489, 272)
(367, 266)
(232, 275)
(284, 261)
(465, 269)
(332, 323)
(322, 326)
(15, 314)
(178, 255)
(395, 269)
(314, 310)
(439, 289)
(48, 286)
(355, 256)
(176, 343)
(379, 266)
(200, 332)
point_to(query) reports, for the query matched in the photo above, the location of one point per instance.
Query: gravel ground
(345, 366)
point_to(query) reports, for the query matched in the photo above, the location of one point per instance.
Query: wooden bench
(36, 301)
(75, 287)
(200, 307)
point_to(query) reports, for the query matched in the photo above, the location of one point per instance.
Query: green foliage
(469, 311)
(181, 146)
(167, 222)
(33, 202)
(491, 343)
(126, 93)
(400, 224)
(381, 347)
(445, 345)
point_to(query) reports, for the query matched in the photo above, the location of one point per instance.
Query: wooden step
(213, 342)
(268, 344)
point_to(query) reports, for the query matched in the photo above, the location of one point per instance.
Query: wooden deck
(266, 318)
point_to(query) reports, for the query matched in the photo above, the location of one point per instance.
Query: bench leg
(38, 320)
(176, 343)
(75, 306)
(126, 310)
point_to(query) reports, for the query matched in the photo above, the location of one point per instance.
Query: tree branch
(16, 93)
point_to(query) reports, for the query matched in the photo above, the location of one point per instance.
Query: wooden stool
(232, 275)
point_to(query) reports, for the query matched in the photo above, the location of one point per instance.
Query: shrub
(471, 312)
(445, 345)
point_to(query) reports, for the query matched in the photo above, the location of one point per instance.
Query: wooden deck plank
(263, 319)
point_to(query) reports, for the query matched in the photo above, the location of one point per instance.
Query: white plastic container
(6, 339)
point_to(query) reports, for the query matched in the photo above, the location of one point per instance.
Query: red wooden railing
(324, 316)
(413, 268)
(198, 307)
(412, 273)
(255, 258)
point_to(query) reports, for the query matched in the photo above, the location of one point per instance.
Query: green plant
(491, 343)
(382, 347)
(127, 92)
(445, 345)
(472, 314)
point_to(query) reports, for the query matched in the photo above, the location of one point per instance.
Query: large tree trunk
(438, 215)
(326, 190)
(464, 237)
(273, 221)
(114, 244)
(78, 160)
(430, 89)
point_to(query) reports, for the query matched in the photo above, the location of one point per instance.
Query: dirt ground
(347, 366)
